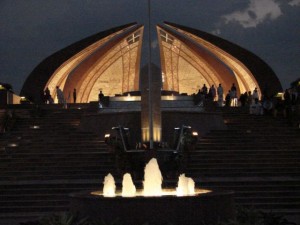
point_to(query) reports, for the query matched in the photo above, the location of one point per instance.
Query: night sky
(31, 30)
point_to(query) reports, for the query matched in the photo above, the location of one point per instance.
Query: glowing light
(12, 145)
(106, 135)
(165, 192)
(152, 179)
(2, 87)
(280, 95)
(130, 98)
(186, 186)
(128, 188)
(152, 185)
(35, 127)
(195, 133)
(169, 97)
(156, 134)
(146, 134)
(109, 187)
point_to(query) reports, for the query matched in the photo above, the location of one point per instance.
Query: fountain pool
(184, 205)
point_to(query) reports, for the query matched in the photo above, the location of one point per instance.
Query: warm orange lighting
(145, 134)
(165, 192)
(195, 133)
(184, 69)
(157, 134)
(12, 145)
(280, 95)
(130, 98)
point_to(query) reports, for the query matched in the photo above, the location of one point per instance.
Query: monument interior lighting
(131, 98)
(169, 97)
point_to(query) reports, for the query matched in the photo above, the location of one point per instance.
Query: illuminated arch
(186, 65)
(242, 67)
(109, 61)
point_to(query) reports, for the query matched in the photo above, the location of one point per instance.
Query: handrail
(181, 136)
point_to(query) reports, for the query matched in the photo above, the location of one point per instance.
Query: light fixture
(280, 95)
(12, 145)
(107, 139)
(35, 127)
(195, 133)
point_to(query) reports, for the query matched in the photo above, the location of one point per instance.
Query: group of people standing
(231, 98)
(48, 99)
(210, 94)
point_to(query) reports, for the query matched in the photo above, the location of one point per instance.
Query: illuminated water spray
(152, 179)
(152, 184)
(128, 188)
(109, 186)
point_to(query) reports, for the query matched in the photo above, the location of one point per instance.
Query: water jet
(184, 205)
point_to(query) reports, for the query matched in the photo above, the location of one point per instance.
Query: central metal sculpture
(150, 97)
(151, 105)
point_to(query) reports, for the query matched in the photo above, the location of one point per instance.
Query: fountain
(128, 188)
(154, 204)
(152, 179)
(186, 186)
(109, 188)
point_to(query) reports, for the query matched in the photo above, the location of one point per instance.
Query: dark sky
(31, 30)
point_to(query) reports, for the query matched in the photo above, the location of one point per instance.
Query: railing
(7, 121)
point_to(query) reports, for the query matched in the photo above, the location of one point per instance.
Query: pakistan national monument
(111, 61)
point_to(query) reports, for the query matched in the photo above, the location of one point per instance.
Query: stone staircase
(258, 157)
(45, 158)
